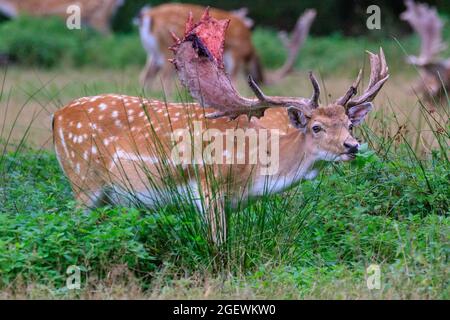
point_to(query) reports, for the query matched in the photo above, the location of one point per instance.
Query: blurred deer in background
(94, 13)
(156, 24)
(434, 71)
(109, 145)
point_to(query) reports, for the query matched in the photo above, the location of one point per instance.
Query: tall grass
(390, 206)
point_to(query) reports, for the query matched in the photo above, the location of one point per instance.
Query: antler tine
(314, 101)
(375, 68)
(426, 23)
(378, 76)
(256, 89)
(384, 67)
(301, 103)
(342, 101)
(199, 64)
(190, 23)
(284, 38)
(294, 43)
(264, 100)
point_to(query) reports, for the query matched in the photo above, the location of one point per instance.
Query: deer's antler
(426, 23)
(293, 44)
(199, 64)
(379, 73)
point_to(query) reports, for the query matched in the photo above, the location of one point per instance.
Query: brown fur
(434, 82)
(171, 17)
(92, 135)
(335, 124)
(90, 131)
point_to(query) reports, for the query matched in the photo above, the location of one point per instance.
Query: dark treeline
(344, 16)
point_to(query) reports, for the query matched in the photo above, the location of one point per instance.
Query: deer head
(199, 63)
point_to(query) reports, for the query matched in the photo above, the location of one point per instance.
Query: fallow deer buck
(156, 24)
(95, 13)
(109, 146)
(434, 71)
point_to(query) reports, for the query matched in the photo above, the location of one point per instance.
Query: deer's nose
(352, 147)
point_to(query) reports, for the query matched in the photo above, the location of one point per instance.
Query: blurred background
(345, 17)
(46, 42)
(50, 65)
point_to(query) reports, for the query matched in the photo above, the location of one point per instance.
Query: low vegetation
(385, 209)
(389, 207)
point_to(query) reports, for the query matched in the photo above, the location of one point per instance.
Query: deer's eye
(350, 127)
(316, 128)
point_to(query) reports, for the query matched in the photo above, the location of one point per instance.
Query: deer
(434, 71)
(157, 23)
(94, 13)
(112, 147)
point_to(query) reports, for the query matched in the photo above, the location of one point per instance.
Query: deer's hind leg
(87, 182)
(150, 72)
(90, 199)
(89, 192)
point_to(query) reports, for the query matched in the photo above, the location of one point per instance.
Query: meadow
(389, 207)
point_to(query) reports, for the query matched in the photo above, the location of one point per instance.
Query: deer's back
(172, 17)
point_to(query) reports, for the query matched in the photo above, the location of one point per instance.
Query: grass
(389, 207)
(381, 213)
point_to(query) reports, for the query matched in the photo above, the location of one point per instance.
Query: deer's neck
(296, 162)
(296, 156)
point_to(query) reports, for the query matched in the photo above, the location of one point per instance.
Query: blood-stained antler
(199, 64)
(426, 23)
(379, 73)
(293, 45)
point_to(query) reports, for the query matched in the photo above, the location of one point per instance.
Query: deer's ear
(297, 118)
(357, 113)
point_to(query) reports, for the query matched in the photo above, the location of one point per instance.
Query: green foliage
(23, 40)
(388, 206)
(371, 210)
(372, 199)
(48, 43)
(333, 15)
(43, 233)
